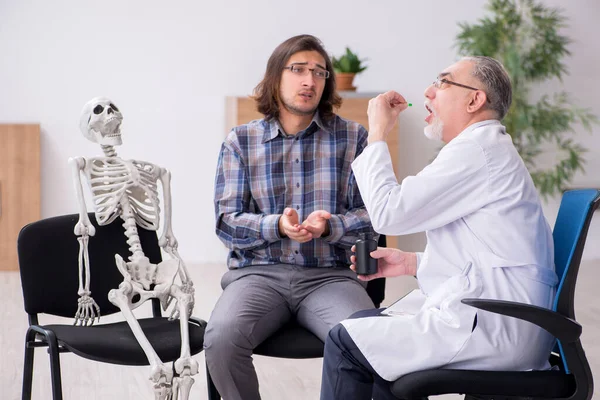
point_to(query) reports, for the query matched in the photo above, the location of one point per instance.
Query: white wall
(169, 67)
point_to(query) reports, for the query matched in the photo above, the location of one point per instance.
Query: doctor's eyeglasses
(302, 70)
(440, 81)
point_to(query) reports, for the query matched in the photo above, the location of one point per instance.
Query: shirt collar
(273, 128)
(480, 124)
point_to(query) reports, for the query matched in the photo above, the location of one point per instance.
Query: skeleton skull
(100, 122)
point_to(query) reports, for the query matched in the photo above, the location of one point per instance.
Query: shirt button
(296, 251)
(297, 161)
(297, 207)
(297, 185)
(297, 138)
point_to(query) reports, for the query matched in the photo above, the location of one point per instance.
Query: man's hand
(390, 262)
(316, 223)
(383, 111)
(289, 226)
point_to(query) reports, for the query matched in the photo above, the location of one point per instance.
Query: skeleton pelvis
(140, 273)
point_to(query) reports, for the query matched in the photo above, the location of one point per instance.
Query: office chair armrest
(564, 329)
(198, 321)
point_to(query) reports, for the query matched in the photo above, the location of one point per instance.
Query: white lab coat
(486, 238)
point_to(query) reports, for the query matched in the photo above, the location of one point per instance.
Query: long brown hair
(266, 93)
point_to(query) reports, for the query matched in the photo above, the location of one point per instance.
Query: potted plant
(524, 36)
(346, 67)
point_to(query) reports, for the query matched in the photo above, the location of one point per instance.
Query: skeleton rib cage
(113, 180)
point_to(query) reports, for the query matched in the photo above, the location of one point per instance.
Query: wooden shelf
(19, 186)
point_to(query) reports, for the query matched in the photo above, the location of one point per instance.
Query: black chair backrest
(48, 261)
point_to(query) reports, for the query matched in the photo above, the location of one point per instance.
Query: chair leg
(54, 354)
(28, 365)
(213, 393)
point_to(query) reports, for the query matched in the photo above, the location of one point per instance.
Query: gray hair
(492, 74)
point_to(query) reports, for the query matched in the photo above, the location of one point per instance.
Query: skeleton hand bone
(185, 287)
(87, 311)
(168, 242)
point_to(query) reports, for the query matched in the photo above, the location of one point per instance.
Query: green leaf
(348, 62)
(525, 36)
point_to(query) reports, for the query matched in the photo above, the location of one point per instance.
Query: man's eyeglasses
(302, 70)
(439, 82)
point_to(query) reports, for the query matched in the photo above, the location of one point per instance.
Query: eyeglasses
(438, 85)
(302, 70)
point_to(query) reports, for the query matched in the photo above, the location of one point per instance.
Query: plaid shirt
(261, 171)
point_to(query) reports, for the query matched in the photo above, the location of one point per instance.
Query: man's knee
(224, 337)
(334, 336)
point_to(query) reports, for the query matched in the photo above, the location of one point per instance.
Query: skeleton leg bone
(185, 366)
(160, 374)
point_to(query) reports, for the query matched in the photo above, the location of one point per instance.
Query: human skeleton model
(128, 189)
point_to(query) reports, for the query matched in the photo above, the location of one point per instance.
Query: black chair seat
(537, 384)
(114, 343)
(291, 341)
(294, 341)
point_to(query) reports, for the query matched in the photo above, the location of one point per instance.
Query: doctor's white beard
(434, 131)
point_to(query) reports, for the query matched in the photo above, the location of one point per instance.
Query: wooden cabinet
(19, 186)
(241, 110)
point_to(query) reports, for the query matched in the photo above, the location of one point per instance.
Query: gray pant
(257, 301)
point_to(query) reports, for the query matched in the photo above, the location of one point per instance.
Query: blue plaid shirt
(262, 170)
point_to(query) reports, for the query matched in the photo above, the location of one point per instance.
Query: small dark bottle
(365, 264)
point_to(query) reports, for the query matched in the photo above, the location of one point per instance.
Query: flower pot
(343, 81)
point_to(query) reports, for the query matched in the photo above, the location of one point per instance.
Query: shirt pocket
(445, 301)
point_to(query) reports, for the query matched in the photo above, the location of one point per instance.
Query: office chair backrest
(48, 261)
(570, 232)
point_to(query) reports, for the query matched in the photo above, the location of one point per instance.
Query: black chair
(48, 261)
(294, 341)
(573, 379)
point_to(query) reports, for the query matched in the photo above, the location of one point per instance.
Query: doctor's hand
(316, 223)
(383, 112)
(390, 262)
(289, 227)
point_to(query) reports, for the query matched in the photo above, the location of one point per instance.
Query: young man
(288, 208)
(486, 237)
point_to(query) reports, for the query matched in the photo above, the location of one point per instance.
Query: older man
(486, 237)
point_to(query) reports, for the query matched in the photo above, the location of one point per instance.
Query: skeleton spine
(109, 151)
(133, 240)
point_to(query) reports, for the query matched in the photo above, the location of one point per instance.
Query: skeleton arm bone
(167, 240)
(87, 310)
(83, 226)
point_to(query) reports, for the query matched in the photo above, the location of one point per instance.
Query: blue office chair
(573, 380)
